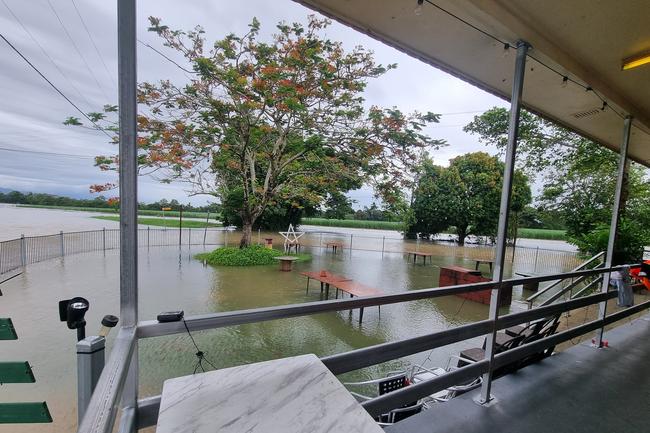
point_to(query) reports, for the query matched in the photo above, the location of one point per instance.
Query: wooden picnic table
(483, 261)
(335, 245)
(344, 284)
(286, 262)
(417, 254)
(295, 245)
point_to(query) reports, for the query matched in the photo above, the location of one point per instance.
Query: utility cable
(92, 41)
(166, 58)
(199, 353)
(37, 152)
(45, 53)
(74, 44)
(53, 86)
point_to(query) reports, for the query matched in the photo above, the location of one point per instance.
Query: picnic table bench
(344, 284)
(417, 254)
(483, 261)
(335, 245)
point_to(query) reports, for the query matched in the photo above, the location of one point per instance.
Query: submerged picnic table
(335, 245)
(344, 284)
(417, 254)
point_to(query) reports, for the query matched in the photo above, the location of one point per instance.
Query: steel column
(127, 75)
(506, 191)
(623, 166)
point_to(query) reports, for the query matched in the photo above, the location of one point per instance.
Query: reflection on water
(170, 280)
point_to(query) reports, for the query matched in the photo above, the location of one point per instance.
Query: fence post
(536, 254)
(189, 236)
(383, 241)
(225, 242)
(350, 245)
(23, 251)
(148, 231)
(90, 363)
(320, 241)
(104, 239)
(62, 243)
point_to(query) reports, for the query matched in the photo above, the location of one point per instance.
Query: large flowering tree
(272, 120)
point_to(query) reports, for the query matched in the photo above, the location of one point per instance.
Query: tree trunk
(247, 232)
(462, 234)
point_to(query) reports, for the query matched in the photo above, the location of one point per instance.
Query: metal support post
(383, 242)
(350, 245)
(104, 239)
(621, 180)
(23, 251)
(148, 233)
(536, 255)
(205, 232)
(502, 232)
(127, 75)
(90, 363)
(189, 236)
(61, 243)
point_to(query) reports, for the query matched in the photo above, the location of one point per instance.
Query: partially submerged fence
(26, 250)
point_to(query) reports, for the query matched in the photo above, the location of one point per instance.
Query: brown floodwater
(171, 279)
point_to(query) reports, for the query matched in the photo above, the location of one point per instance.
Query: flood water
(170, 279)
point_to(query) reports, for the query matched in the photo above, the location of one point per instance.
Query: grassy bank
(355, 224)
(546, 234)
(144, 212)
(254, 255)
(167, 222)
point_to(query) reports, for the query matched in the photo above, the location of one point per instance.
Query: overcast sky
(31, 112)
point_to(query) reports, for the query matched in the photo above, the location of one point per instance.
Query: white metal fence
(26, 250)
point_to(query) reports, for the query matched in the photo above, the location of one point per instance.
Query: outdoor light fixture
(636, 60)
(72, 311)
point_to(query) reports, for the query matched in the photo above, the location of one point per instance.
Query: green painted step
(24, 413)
(16, 372)
(7, 331)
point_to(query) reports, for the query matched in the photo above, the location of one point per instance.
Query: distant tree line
(42, 199)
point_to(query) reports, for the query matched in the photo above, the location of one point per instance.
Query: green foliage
(337, 206)
(277, 215)
(253, 255)
(278, 119)
(546, 234)
(357, 224)
(466, 195)
(628, 248)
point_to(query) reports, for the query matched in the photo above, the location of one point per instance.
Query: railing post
(104, 239)
(90, 363)
(502, 232)
(536, 255)
(383, 242)
(23, 251)
(621, 181)
(350, 245)
(320, 241)
(189, 236)
(225, 242)
(62, 243)
(148, 232)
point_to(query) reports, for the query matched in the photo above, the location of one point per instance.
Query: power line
(101, 58)
(45, 53)
(508, 45)
(38, 152)
(166, 58)
(83, 59)
(53, 86)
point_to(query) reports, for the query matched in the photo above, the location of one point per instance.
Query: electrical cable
(37, 152)
(166, 58)
(45, 53)
(508, 45)
(53, 86)
(199, 353)
(92, 40)
(83, 59)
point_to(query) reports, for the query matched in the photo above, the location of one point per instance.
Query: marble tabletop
(289, 395)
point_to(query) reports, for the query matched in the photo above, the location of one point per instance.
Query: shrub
(251, 256)
(629, 243)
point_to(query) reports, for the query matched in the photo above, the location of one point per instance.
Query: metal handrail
(535, 295)
(100, 414)
(568, 287)
(587, 287)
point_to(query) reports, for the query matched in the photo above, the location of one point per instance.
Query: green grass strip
(167, 222)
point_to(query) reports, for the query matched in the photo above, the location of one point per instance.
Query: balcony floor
(582, 389)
